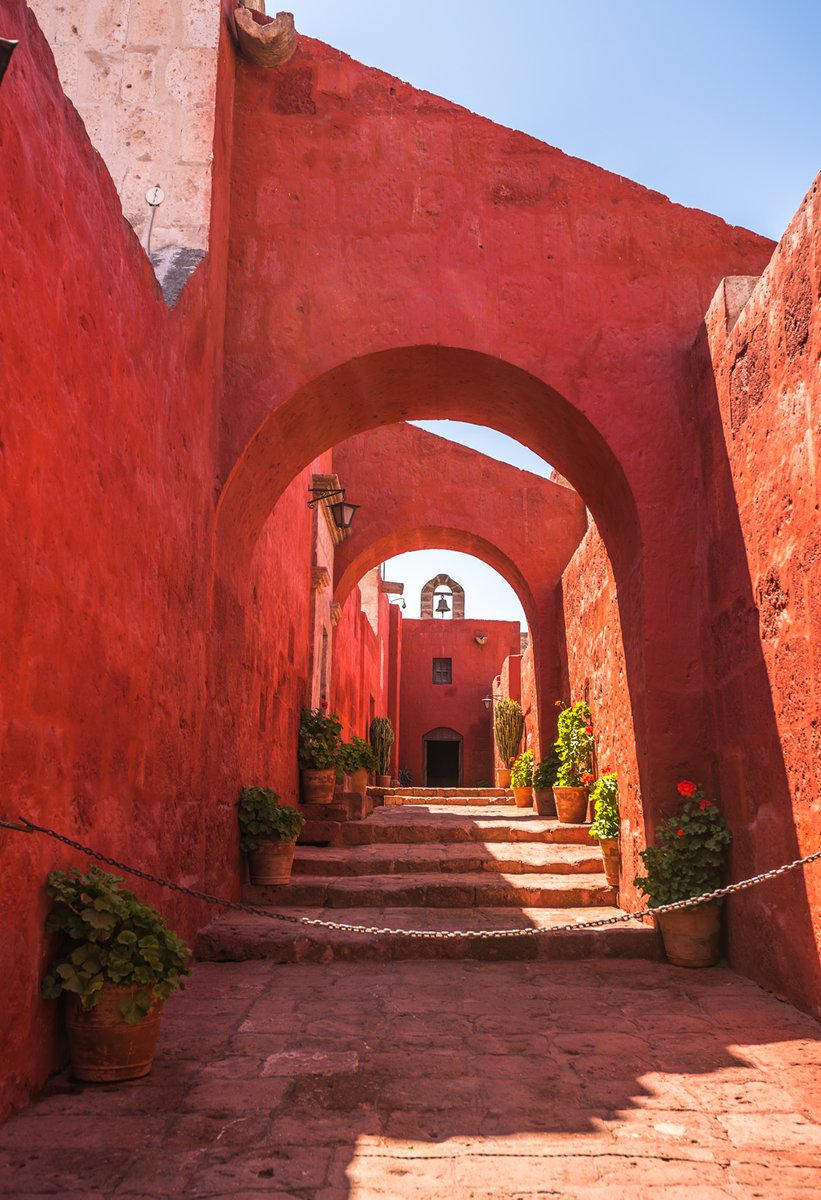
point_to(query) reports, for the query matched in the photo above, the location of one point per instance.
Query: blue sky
(715, 104)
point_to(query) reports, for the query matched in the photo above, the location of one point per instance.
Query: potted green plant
(319, 740)
(604, 801)
(381, 739)
(508, 729)
(521, 779)
(573, 747)
(544, 776)
(688, 859)
(268, 832)
(357, 760)
(117, 962)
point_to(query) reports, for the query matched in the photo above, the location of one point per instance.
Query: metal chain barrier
(26, 826)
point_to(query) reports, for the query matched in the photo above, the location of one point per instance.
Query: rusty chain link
(26, 826)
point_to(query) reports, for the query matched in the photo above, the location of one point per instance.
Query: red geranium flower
(687, 788)
(323, 704)
(588, 729)
(705, 804)
(680, 833)
(587, 777)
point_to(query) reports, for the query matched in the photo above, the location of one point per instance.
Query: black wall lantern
(7, 48)
(341, 511)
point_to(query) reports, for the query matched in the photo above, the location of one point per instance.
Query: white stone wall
(142, 75)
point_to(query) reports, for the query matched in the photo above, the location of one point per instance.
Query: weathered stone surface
(338, 1081)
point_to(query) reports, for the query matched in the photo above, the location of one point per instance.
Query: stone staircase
(441, 861)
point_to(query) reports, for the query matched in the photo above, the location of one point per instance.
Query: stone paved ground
(448, 1079)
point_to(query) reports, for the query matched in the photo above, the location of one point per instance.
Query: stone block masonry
(143, 76)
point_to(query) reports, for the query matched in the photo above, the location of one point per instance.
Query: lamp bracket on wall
(341, 510)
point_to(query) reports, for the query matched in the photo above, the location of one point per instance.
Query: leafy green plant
(508, 729)
(381, 737)
(545, 774)
(108, 935)
(690, 852)
(521, 773)
(263, 819)
(405, 777)
(604, 801)
(574, 746)
(319, 738)
(355, 755)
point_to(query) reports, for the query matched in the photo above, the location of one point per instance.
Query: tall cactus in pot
(381, 736)
(509, 728)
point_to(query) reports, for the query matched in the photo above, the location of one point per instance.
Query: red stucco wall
(595, 668)
(108, 430)
(361, 665)
(426, 706)
(759, 388)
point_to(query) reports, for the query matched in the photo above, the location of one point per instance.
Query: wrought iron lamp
(492, 699)
(341, 510)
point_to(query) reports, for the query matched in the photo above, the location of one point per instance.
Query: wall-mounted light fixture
(480, 639)
(400, 603)
(491, 699)
(7, 48)
(341, 511)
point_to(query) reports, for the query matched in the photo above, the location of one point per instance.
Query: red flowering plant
(319, 738)
(574, 747)
(690, 851)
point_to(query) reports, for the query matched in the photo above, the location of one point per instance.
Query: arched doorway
(442, 758)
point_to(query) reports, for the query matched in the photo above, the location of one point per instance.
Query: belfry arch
(445, 582)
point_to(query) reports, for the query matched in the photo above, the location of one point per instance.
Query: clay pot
(571, 804)
(359, 781)
(103, 1047)
(503, 777)
(271, 863)
(383, 781)
(317, 787)
(692, 936)
(523, 797)
(543, 802)
(610, 854)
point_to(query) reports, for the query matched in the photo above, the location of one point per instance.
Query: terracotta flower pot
(383, 781)
(359, 781)
(503, 777)
(317, 787)
(103, 1047)
(271, 863)
(610, 854)
(692, 936)
(543, 802)
(571, 804)
(523, 797)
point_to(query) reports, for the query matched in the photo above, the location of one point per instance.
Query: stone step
(236, 937)
(412, 825)
(437, 890)
(448, 795)
(474, 799)
(385, 858)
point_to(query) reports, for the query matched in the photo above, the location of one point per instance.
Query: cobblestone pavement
(465, 1080)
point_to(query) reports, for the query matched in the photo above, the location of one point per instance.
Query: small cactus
(509, 728)
(381, 736)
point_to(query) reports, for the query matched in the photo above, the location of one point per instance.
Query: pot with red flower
(573, 748)
(319, 741)
(688, 860)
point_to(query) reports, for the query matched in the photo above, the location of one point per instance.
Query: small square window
(443, 670)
